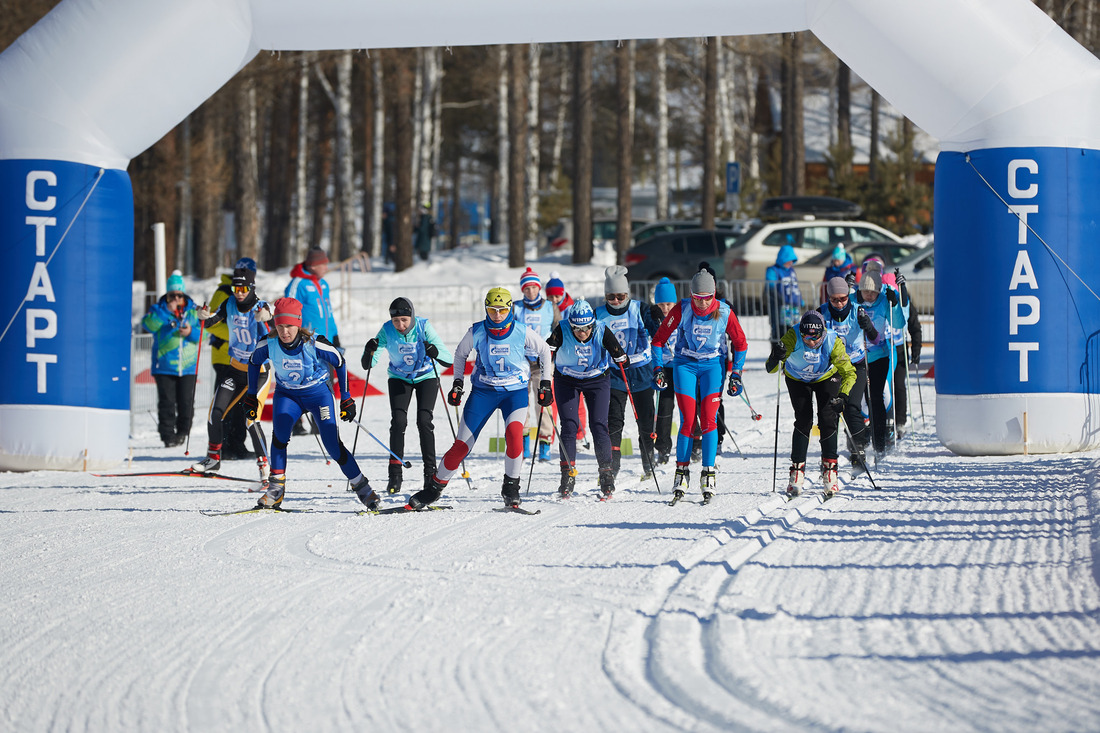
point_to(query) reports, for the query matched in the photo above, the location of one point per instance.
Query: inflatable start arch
(1012, 99)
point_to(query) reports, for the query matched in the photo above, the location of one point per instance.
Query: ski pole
(745, 397)
(195, 388)
(866, 468)
(778, 395)
(465, 473)
(317, 435)
(362, 402)
(406, 464)
(534, 453)
(561, 447)
(921, 396)
(652, 436)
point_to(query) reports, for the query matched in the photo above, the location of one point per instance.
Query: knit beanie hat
(315, 256)
(839, 253)
(175, 283)
(288, 312)
(812, 324)
(614, 280)
(703, 282)
(665, 292)
(554, 286)
(244, 277)
(401, 307)
(871, 281)
(836, 286)
(529, 277)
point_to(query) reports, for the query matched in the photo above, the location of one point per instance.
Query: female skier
(246, 317)
(499, 380)
(411, 343)
(816, 364)
(581, 368)
(700, 323)
(301, 362)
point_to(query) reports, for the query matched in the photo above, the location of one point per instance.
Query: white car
(755, 251)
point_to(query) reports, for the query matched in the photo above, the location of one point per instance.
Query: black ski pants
(802, 400)
(175, 405)
(401, 394)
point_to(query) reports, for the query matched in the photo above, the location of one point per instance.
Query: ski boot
(366, 494)
(265, 470)
(607, 483)
(428, 495)
(212, 462)
(662, 457)
(510, 491)
(394, 484)
(544, 452)
(568, 480)
(273, 497)
(708, 480)
(429, 471)
(859, 458)
(829, 477)
(680, 482)
(798, 475)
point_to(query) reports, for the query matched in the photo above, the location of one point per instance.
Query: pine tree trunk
(624, 70)
(844, 116)
(418, 128)
(533, 140)
(662, 130)
(279, 177)
(563, 105)
(426, 115)
(208, 200)
(500, 214)
(248, 225)
(184, 240)
(378, 169)
(403, 73)
(710, 105)
(517, 146)
(299, 238)
(726, 91)
(348, 240)
(456, 204)
(437, 134)
(582, 152)
(798, 121)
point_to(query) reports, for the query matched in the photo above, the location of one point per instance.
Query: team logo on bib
(406, 348)
(499, 349)
(618, 324)
(701, 330)
(292, 365)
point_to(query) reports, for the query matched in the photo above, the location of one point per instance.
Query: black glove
(347, 409)
(779, 353)
(546, 395)
(368, 353)
(455, 395)
(892, 296)
(336, 341)
(865, 321)
(431, 350)
(899, 278)
(914, 353)
(850, 278)
(734, 388)
(251, 406)
(837, 403)
(659, 379)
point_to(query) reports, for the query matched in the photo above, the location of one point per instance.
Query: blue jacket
(172, 353)
(316, 306)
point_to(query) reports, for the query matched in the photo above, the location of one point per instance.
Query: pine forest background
(309, 149)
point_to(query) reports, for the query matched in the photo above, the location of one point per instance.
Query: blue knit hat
(555, 286)
(665, 292)
(175, 283)
(580, 314)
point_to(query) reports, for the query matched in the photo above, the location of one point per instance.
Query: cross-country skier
(879, 302)
(623, 317)
(301, 362)
(411, 344)
(664, 298)
(855, 328)
(540, 315)
(815, 364)
(499, 381)
(584, 350)
(700, 323)
(901, 365)
(246, 317)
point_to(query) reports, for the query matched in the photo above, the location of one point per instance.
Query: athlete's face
(531, 291)
(582, 333)
(240, 292)
(401, 323)
(664, 308)
(287, 332)
(869, 296)
(496, 315)
(555, 299)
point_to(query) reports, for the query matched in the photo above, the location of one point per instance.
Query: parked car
(813, 269)
(919, 270)
(754, 251)
(676, 255)
(603, 228)
(794, 208)
(737, 226)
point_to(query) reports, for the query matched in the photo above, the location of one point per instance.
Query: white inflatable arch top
(1012, 99)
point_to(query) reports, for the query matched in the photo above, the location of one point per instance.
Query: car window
(782, 236)
(604, 229)
(924, 263)
(865, 234)
(819, 237)
(726, 242)
(700, 244)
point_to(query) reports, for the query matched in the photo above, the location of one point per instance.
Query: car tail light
(633, 258)
(739, 263)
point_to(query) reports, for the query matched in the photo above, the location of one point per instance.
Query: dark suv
(677, 255)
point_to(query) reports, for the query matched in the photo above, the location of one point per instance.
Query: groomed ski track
(963, 596)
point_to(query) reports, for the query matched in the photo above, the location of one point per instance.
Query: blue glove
(735, 388)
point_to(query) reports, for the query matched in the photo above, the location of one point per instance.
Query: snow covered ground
(961, 596)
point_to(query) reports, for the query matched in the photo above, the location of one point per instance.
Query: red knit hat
(315, 256)
(288, 312)
(529, 277)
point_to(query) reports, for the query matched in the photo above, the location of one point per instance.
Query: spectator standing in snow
(411, 344)
(173, 321)
(499, 380)
(424, 231)
(815, 365)
(301, 362)
(584, 348)
(782, 294)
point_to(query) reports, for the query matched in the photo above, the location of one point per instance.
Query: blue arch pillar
(1017, 334)
(67, 233)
